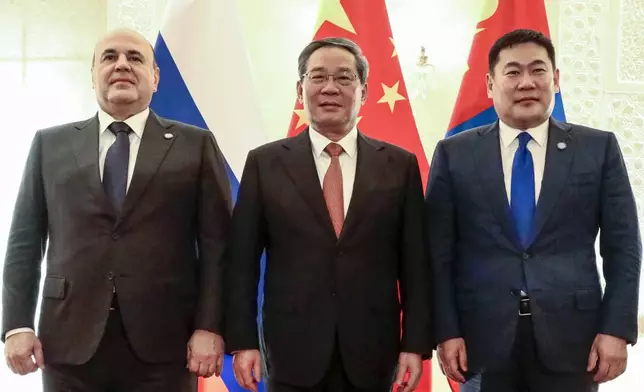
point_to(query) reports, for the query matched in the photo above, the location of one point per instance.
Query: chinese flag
(387, 114)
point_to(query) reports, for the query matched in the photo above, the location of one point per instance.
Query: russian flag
(473, 108)
(206, 80)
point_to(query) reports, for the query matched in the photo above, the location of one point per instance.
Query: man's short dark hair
(518, 37)
(362, 65)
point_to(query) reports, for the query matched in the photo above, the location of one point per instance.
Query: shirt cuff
(17, 331)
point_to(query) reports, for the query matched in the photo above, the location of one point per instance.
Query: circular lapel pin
(561, 146)
(168, 136)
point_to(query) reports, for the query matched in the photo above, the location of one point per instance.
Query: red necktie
(332, 187)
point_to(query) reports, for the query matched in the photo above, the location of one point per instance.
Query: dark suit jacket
(320, 289)
(478, 261)
(163, 254)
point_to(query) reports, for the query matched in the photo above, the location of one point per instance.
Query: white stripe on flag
(206, 42)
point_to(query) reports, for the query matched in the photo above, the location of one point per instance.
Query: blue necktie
(522, 195)
(116, 165)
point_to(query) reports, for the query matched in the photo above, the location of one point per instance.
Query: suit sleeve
(243, 262)
(214, 217)
(620, 248)
(415, 279)
(441, 238)
(25, 247)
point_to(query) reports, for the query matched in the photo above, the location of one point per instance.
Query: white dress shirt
(537, 147)
(348, 160)
(105, 140)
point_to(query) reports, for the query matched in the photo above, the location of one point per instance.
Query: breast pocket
(384, 205)
(582, 190)
(583, 179)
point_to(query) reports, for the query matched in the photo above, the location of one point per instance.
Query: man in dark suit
(514, 209)
(136, 210)
(340, 217)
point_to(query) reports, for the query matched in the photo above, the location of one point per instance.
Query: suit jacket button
(115, 236)
(525, 256)
(110, 276)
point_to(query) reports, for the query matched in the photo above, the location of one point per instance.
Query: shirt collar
(136, 122)
(349, 142)
(538, 133)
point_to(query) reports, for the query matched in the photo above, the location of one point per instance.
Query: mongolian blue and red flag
(473, 108)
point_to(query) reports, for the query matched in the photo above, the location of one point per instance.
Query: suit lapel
(300, 166)
(487, 152)
(153, 149)
(85, 149)
(369, 167)
(555, 172)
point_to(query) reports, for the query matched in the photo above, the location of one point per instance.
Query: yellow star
(394, 54)
(488, 11)
(302, 120)
(391, 95)
(333, 12)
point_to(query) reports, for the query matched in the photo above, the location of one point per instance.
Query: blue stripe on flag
(486, 117)
(558, 112)
(173, 100)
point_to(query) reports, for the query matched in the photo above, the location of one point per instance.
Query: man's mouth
(329, 104)
(527, 99)
(122, 80)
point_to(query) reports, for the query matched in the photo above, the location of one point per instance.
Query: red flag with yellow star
(387, 114)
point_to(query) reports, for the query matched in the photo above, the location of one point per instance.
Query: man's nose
(330, 87)
(122, 63)
(526, 82)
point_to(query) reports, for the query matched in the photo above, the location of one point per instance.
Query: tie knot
(118, 126)
(524, 138)
(334, 149)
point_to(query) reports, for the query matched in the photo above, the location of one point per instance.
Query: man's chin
(530, 120)
(330, 121)
(122, 98)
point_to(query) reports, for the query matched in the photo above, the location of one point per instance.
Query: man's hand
(205, 353)
(611, 354)
(23, 353)
(412, 364)
(247, 369)
(452, 358)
